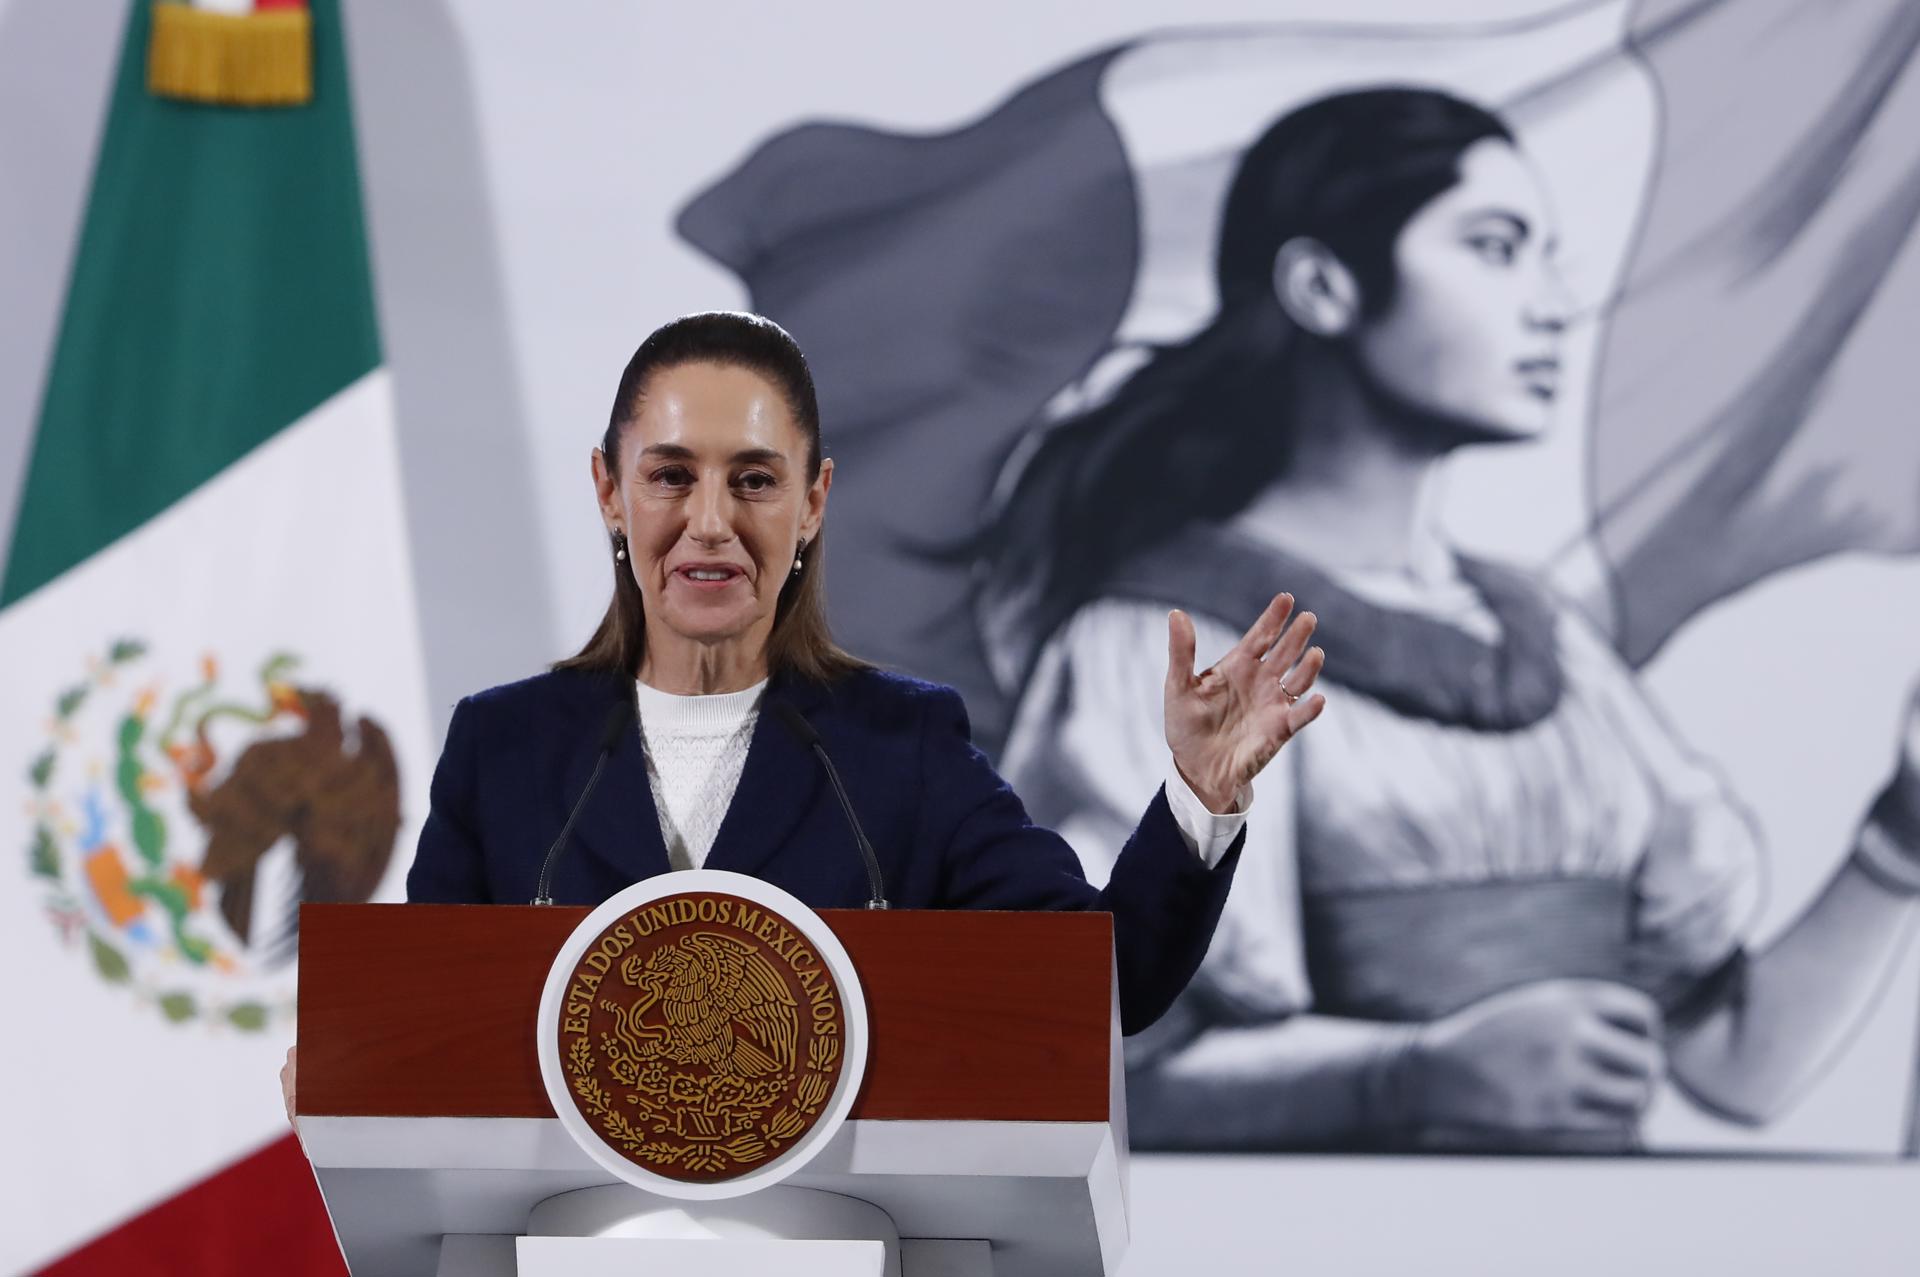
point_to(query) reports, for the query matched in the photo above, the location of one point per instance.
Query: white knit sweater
(696, 749)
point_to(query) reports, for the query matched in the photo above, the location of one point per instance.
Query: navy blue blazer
(948, 831)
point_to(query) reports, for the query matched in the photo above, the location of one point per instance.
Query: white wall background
(522, 163)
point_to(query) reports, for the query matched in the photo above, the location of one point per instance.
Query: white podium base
(1051, 1195)
(628, 1256)
(615, 1229)
(495, 1255)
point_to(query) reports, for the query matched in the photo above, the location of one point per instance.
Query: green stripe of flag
(220, 292)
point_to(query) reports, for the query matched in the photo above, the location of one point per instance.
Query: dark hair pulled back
(802, 642)
(1199, 431)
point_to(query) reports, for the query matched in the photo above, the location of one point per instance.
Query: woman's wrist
(1217, 799)
(1391, 1089)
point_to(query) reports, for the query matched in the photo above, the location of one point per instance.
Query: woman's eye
(672, 476)
(756, 481)
(1494, 249)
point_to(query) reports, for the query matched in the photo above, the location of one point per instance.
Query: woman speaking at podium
(713, 489)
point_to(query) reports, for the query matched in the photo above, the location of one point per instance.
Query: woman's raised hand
(1227, 722)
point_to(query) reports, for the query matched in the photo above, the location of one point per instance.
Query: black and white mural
(1216, 312)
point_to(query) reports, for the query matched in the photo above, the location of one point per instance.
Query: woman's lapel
(619, 824)
(777, 786)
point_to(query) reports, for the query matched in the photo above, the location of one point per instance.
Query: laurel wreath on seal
(744, 1148)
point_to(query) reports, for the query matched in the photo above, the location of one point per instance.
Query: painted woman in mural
(1495, 902)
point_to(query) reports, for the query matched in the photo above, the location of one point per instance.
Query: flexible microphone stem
(617, 720)
(878, 898)
(543, 892)
(803, 730)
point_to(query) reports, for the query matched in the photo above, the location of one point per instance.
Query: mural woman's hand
(1557, 1055)
(1227, 722)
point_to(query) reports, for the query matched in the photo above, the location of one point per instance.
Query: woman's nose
(1553, 306)
(709, 517)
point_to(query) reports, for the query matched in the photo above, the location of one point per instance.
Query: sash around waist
(1416, 953)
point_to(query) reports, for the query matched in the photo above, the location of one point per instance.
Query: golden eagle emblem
(701, 1036)
(720, 1004)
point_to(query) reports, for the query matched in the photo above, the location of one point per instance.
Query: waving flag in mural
(1741, 425)
(958, 291)
(1072, 353)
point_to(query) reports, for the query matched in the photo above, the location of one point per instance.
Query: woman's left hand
(286, 1085)
(1227, 722)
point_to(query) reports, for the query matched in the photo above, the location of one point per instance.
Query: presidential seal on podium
(702, 1034)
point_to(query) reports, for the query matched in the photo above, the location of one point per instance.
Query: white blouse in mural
(1370, 798)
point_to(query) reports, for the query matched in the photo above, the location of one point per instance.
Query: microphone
(619, 718)
(803, 732)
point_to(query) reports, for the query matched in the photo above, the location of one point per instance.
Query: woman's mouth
(709, 576)
(1541, 377)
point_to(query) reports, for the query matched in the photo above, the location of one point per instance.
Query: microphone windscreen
(796, 723)
(618, 719)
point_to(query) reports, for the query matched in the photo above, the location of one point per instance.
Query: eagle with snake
(721, 1003)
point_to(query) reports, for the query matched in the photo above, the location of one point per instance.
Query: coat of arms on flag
(176, 827)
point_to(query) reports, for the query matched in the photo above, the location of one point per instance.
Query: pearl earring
(798, 551)
(620, 546)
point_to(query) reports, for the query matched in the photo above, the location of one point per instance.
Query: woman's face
(713, 498)
(1472, 334)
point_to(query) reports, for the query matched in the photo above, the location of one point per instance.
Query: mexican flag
(214, 704)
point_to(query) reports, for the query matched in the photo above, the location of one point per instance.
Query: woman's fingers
(1180, 643)
(1291, 688)
(1231, 720)
(1287, 646)
(1625, 1008)
(1627, 1054)
(1299, 679)
(1267, 630)
(1614, 1095)
(1304, 711)
(1620, 1047)
(286, 1082)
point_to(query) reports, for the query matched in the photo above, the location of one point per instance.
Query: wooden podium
(991, 1110)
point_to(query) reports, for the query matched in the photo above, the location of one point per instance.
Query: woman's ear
(816, 511)
(606, 492)
(1315, 288)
